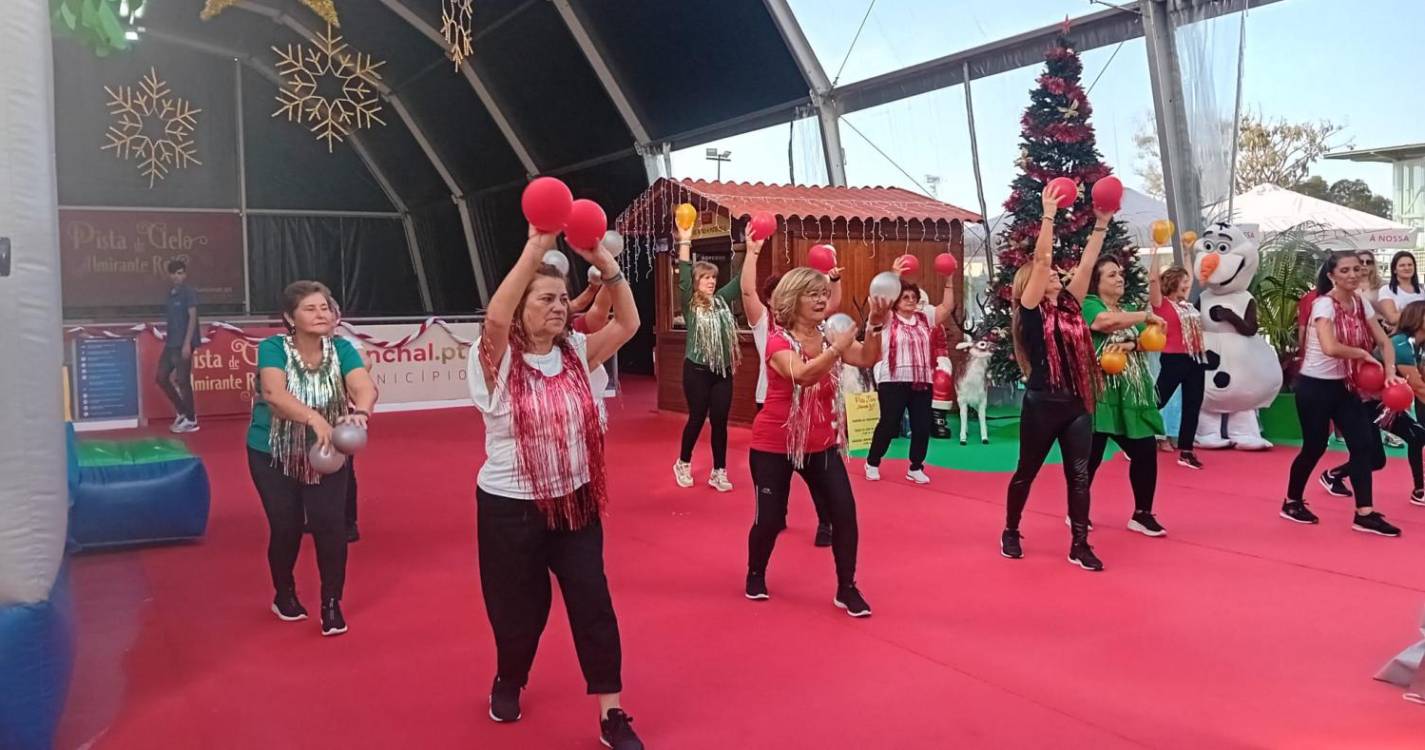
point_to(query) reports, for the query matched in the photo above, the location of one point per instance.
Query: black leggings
(1405, 428)
(709, 398)
(830, 487)
(1319, 404)
(351, 492)
(286, 500)
(895, 399)
(175, 379)
(1182, 370)
(517, 553)
(1046, 417)
(1142, 465)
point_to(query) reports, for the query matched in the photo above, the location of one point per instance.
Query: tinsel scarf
(1135, 385)
(1067, 341)
(809, 407)
(1352, 330)
(1191, 319)
(320, 388)
(714, 334)
(910, 342)
(544, 412)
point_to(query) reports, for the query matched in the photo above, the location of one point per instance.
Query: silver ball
(327, 461)
(348, 438)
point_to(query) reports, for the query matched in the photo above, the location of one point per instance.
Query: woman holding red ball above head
(1054, 350)
(801, 428)
(543, 487)
(1329, 389)
(1407, 339)
(904, 374)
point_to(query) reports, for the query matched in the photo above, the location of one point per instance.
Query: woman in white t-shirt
(1339, 341)
(759, 319)
(904, 376)
(1402, 289)
(542, 488)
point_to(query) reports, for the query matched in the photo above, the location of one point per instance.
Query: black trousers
(1405, 428)
(1182, 370)
(1142, 466)
(830, 487)
(709, 398)
(517, 553)
(351, 491)
(895, 399)
(175, 379)
(286, 501)
(1319, 404)
(1045, 418)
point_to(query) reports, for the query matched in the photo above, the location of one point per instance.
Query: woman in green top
(710, 357)
(307, 377)
(1127, 407)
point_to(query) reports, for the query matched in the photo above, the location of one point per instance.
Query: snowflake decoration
(332, 118)
(139, 113)
(457, 25)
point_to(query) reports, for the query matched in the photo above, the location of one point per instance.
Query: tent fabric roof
(802, 201)
(1138, 210)
(1274, 209)
(1386, 154)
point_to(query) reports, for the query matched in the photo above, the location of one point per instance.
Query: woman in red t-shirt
(801, 427)
(1184, 356)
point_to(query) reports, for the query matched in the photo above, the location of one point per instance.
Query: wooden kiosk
(869, 227)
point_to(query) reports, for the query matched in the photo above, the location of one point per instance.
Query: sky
(1353, 63)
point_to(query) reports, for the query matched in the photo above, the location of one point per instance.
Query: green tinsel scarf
(320, 388)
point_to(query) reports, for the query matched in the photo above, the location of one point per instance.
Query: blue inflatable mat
(36, 661)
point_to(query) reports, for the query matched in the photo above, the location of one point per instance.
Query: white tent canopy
(1138, 211)
(1334, 227)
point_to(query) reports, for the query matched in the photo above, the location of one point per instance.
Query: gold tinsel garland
(323, 8)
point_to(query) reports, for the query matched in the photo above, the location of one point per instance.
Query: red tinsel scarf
(1352, 330)
(911, 342)
(1191, 324)
(544, 410)
(1067, 341)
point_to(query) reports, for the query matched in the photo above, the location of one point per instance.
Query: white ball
(839, 323)
(594, 276)
(557, 259)
(886, 285)
(612, 242)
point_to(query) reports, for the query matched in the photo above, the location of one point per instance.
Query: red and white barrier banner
(418, 366)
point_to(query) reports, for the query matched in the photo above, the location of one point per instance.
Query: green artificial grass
(91, 453)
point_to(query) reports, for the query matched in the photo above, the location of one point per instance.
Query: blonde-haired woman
(710, 356)
(801, 428)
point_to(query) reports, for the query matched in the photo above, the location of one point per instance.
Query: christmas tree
(1056, 140)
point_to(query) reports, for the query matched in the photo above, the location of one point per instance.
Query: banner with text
(118, 258)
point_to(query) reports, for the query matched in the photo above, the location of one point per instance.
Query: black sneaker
(823, 535)
(616, 731)
(1374, 523)
(287, 608)
(332, 621)
(1295, 510)
(1189, 460)
(1081, 554)
(504, 701)
(1009, 545)
(1417, 497)
(757, 586)
(1144, 523)
(1334, 485)
(353, 534)
(849, 598)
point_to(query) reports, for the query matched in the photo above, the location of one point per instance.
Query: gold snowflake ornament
(354, 104)
(152, 127)
(457, 25)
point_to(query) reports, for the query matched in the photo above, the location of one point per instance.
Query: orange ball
(1162, 231)
(686, 216)
(1153, 339)
(1113, 362)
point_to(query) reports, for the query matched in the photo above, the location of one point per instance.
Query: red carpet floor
(1237, 630)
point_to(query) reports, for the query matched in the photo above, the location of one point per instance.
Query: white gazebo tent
(1138, 211)
(1334, 227)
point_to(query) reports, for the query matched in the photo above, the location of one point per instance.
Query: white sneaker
(873, 473)
(176, 421)
(918, 476)
(185, 425)
(683, 472)
(718, 480)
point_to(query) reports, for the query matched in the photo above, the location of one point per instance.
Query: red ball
(1398, 397)
(586, 225)
(1370, 377)
(910, 264)
(546, 203)
(1066, 189)
(822, 258)
(1108, 194)
(945, 264)
(763, 225)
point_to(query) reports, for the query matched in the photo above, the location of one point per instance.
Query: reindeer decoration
(972, 387)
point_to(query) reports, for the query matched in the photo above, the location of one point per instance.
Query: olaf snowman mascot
(1243, 374)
